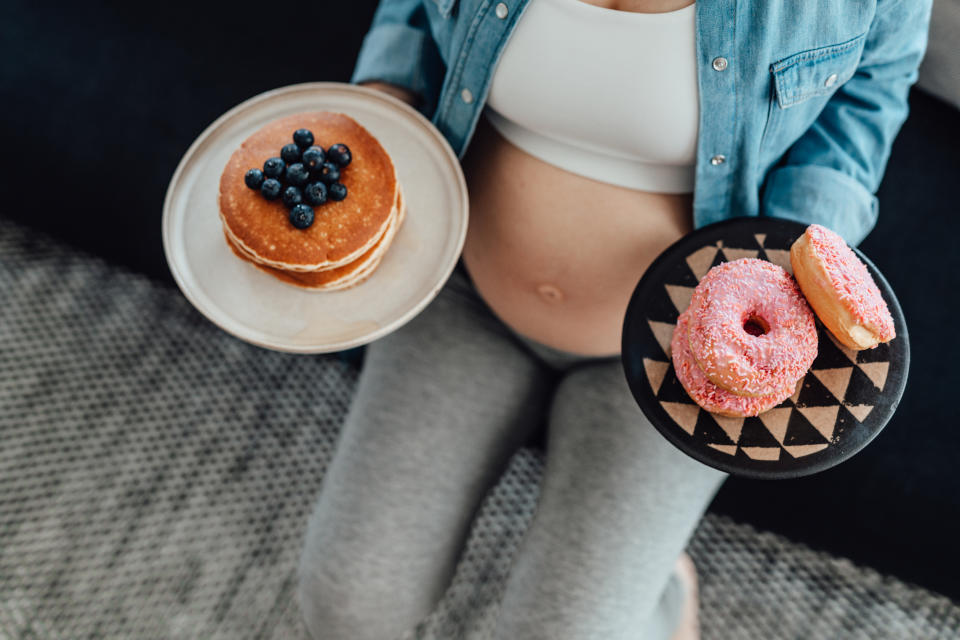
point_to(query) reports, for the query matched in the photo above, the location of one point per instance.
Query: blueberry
(292, 196)
(273, 167)
(315, 193)
(297, 174)
(328, 172)
(290, 153)
(303, 138)
(253, 178)
(270, 188)
(314, 157)
(339, 154)
(337, 191)
(301, 216)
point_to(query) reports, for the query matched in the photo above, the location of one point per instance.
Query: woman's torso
(556, 254)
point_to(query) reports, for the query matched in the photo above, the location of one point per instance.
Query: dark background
(99, 102)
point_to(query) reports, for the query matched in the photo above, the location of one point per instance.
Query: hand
(396, 91)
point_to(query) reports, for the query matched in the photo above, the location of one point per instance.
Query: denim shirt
(800, 100)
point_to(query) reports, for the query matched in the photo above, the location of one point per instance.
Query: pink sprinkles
(706, 394)
(766, 365)
(851, 282)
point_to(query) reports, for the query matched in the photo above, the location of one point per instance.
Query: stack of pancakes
(347, 239)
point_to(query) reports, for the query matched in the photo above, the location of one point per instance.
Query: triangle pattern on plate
(823, 419)
(685, 415)
(701, 260)
(679, 296)
(736, 254)
(671, 390)
(813, 393)
(776, 421)
(859, 411)
(755, 434)
(862, 389)
(876, 371)
(710, 432)
(731, 426)
(800, 431)
(728, 449)
(779, 257)
(656, 371)
(762, 453)
(800, 450)
(835, 380)
(663, 332)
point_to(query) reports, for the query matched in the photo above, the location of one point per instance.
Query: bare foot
(689, 628)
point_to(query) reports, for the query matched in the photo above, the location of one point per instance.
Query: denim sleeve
(399, 49)
(830, 175)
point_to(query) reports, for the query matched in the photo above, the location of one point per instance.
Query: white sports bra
(610, 95)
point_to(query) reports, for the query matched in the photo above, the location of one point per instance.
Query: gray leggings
(441, 405)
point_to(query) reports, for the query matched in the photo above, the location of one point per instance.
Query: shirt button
(466, 95)
(501, 10)
(718, 159)
(831, 80)
(719, 64)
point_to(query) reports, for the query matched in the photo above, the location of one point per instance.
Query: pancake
(342, 231)
(341, 277)
(373, 241)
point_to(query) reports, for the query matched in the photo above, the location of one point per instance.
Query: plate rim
(166, 226)
(757, 472)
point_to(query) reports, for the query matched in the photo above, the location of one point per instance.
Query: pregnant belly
(556, 255)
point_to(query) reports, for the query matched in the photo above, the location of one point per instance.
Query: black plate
(844, 401)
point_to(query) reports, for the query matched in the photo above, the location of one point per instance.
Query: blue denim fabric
(794, 144)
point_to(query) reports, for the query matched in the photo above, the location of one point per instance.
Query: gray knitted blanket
(156, 475)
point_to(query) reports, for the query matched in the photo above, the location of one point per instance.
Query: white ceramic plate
(258, 308)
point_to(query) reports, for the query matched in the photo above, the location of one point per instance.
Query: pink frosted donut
(708, 395)
(840, 289)
(751, 331)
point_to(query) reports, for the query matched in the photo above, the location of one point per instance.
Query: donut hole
(755, 325)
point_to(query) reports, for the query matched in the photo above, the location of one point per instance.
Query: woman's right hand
(394, 90)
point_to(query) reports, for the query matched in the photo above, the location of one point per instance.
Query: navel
(550, 293)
